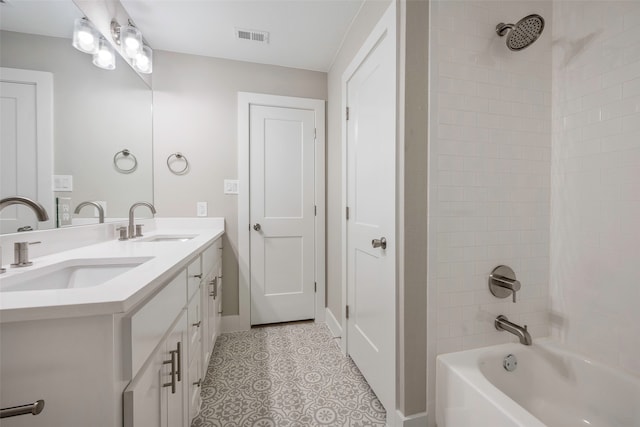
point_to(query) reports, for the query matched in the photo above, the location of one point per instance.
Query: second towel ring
(178, 157)
(125, 154)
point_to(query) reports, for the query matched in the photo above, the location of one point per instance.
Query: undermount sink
(70, 274)
(167, 238)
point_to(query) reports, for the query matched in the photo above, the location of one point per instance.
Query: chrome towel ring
(176, 158)
(125, 154)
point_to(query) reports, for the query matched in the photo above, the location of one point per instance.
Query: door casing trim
(245, 100)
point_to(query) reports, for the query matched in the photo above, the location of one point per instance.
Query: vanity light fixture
(129, 38)
(105, 57)
(85, 36)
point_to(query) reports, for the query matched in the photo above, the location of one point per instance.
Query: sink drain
(510, 363)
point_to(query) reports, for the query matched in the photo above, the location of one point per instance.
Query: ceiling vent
(252, 35)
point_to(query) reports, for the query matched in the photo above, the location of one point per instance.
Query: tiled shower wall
(490, 160)
(595, 217)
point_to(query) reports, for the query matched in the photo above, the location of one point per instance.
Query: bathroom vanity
(114, 333)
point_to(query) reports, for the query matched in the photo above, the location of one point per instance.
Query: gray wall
(412, 305)
(195, 109)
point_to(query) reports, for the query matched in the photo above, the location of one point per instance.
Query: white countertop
(121, 293)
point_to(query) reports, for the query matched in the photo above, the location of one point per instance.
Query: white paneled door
(371, 202)
(282, 209)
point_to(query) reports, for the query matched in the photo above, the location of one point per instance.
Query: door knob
(257, 227)
(379, 243)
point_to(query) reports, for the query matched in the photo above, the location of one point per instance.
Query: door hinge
(346, 312)
(347, 113)
(315, 286)
(315, 210)
(347, 213)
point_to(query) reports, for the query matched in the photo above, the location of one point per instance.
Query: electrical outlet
(201, 208)
(63, 209)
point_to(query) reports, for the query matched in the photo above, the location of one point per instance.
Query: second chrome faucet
(132, 226)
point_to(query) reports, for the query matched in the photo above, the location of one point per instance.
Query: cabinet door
(212, 326)
(175, 399)
(195, 381)
(144, 400)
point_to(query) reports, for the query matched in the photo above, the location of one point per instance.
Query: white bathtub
(549, 387)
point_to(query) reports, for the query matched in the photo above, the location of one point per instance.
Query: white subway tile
(623, 74)
(602, 97)
(631, 88)
(631, 124)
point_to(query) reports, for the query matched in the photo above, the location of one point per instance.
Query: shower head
(522, 34)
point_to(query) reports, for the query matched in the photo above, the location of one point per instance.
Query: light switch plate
(201, 208)
(231, 186)
(62, 182)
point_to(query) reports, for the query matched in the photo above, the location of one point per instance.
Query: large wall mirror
(101, 121)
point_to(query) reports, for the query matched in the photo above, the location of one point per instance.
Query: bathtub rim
(465, 366)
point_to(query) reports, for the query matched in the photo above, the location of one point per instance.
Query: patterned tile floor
(290, 375)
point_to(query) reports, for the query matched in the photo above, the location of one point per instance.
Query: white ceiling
(303, 33)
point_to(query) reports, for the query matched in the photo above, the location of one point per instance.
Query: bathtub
(550, 386)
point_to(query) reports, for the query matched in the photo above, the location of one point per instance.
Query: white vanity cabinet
(165, 390)
(124, 352)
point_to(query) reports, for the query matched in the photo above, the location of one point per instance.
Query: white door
(281, 158)
(25, 145)
(371, 201)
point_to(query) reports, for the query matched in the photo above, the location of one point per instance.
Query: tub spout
(503, 324)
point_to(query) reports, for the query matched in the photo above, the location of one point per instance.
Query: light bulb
(105, 58)
(143, 62)
(85, 36)
(130, 40)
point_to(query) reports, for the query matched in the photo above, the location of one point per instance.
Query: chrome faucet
(503, 324)
(95, 205)
(37, 208)
(132, 227)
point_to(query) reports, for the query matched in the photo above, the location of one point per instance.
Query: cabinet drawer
(148, 325)
(211, 257)
(194, 276)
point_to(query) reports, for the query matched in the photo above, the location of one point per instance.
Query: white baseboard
(415, 420)
(231, 324)
(332, 323)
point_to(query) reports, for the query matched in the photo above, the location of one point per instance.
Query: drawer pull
(197, 276)
(197, 324)
(171, 361)
(197, 383)
(179, 352)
